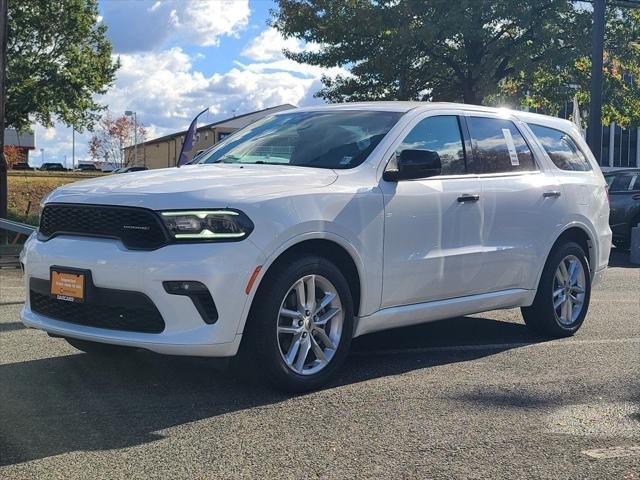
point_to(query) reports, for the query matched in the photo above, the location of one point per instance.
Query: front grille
(137, 228)
(131, 319)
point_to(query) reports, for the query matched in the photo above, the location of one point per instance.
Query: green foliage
(477, 51)
(434, 49)
(554, 83)
(59, 58)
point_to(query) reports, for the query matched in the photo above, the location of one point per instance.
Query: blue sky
(180, 56)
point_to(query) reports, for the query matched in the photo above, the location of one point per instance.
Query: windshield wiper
(228, 157)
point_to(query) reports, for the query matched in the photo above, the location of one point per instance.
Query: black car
(22, 166)
(53, 167)
(624, 196)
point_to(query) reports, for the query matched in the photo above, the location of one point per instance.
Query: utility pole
(73, 148)
(4, 193)
(597, 53)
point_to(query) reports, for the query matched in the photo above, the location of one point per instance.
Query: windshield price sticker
(513, 154)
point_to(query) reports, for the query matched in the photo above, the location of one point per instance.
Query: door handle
(465, 197)
(636, 197)
(552, 194)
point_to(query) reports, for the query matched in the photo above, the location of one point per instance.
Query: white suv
(317, 225)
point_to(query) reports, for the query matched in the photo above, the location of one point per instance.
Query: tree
(59, 58)
(13, 155)
(427, 50)
(112, 136)
(534, 53)
(553, 84)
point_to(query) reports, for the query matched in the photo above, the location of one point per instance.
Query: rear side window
(561, 148)
(499, 146)
(439, 134)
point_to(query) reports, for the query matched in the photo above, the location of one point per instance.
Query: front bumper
(224, 268)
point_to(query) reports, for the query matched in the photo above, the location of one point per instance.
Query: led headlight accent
(220, 225)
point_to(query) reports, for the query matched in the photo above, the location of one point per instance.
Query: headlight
(208, 225)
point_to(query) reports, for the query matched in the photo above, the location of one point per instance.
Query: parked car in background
(86, 167)
(131, 169)
(316, 225)
(624, 197)
(53, 167)
(22, 166)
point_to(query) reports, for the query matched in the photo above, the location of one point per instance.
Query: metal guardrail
(17, 227)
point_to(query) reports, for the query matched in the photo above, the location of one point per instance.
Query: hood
(193, 186)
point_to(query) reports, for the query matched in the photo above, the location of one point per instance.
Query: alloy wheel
(310, 324)
(569, 288)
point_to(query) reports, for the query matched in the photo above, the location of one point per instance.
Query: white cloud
(204, 21)
(167, 90)
(269, 46)
(136, 27)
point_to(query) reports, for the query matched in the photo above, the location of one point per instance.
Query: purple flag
(187, 145)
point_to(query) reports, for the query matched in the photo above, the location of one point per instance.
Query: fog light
(183, 287)
(199, 295)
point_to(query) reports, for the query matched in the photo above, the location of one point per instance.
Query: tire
(268, 351)
(96, 348)
(542, 316)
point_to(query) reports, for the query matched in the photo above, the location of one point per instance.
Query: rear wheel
(97, 348)
(301, 325)
(562, 300)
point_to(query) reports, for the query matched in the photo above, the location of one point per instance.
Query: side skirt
(403, 316)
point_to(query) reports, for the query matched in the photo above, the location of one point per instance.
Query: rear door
(522, 205)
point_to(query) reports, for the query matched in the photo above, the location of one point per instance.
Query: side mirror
(411, 164)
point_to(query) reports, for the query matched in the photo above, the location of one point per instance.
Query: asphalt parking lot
(471, 397)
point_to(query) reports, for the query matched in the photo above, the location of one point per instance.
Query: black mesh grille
(136, 227)
(144, 320)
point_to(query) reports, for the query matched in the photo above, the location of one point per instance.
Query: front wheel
(562, 300)
(301, 324)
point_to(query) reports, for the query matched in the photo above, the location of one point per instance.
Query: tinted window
(500, 146)
(620, 182)
(329, 139)
(561, 148)
(441, 135)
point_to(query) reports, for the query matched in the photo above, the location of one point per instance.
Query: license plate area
(68, 284)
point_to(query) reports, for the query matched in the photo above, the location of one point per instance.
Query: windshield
(336, 139)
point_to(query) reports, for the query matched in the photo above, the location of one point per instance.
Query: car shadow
(80, 402)
(11, 326)
(620, 258)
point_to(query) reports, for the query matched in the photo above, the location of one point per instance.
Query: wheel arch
(332, 247)
(580, 234)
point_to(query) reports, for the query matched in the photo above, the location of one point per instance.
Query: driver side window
(440, 134)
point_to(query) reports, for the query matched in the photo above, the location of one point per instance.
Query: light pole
(130, 113)
(595, 104)
(73, 148)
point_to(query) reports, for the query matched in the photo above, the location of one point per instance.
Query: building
(162, 152)
(17, 145)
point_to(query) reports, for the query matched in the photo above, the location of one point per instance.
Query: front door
(432, 234)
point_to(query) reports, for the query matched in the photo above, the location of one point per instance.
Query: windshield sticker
(513, 154)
